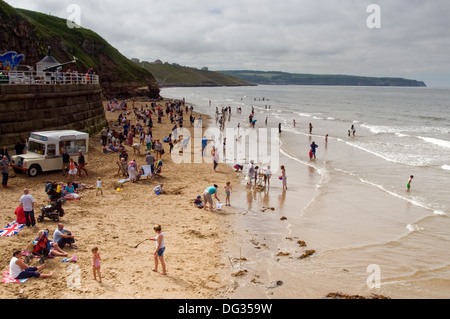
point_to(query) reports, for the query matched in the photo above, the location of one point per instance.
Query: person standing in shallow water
(408, 185)
(313, 150)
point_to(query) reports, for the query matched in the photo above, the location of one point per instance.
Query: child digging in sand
(160, 248)
(96, 264)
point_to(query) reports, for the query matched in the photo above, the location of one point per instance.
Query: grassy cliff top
(176, 75)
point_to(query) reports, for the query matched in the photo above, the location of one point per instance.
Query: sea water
(350, 205)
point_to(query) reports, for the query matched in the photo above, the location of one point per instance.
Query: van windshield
(36, 147)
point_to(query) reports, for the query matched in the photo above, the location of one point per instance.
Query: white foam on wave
(436, 141)
(446, 167)
(413, 227)
(440, 213)
(303, 114)
(405, 198)
(399, 158)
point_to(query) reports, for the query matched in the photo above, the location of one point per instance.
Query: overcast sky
(297, 36)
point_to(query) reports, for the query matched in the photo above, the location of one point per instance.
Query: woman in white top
(160, 248)
(19, 270)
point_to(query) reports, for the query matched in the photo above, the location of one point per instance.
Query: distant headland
(283, 78)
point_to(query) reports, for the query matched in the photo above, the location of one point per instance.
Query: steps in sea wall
(27, 108)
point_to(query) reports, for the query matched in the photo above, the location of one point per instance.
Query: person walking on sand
(160, 248)
(408, 185)
(4, 168)
(310, 128)
(96, 264)
(66, 162)
(99, 187)
(215, 156)
(81, 163)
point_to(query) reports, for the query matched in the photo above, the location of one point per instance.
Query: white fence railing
(29, 77)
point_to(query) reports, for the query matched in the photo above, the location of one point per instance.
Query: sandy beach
(116, 222)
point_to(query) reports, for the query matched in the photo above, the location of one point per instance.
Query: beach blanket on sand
(6, 279)
(11, 229)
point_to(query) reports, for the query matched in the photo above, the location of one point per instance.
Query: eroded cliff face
(119, 77)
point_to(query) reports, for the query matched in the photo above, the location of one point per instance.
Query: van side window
(72, 147)
(51, 150)
(80, 145)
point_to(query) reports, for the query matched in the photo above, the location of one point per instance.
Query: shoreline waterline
(346, 206)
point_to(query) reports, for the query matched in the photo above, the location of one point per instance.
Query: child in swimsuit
(228, 190)
(96, 264)
(408, 185)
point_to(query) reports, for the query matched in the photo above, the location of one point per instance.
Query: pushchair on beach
(39, 248)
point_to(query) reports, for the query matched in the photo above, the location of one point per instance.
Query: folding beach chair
(145, 171)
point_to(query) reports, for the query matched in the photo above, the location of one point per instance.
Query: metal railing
(31, 77)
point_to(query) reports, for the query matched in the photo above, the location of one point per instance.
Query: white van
(44, 151)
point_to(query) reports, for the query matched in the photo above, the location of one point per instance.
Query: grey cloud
(321, 36)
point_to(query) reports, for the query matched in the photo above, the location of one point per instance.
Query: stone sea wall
(27, 108)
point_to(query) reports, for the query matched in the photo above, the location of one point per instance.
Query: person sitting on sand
(198, 202)
(238, 168)
(112, 148)
(123, 167)
(71, 192)
(20, 215)
(19, 270)
(63, 236)
(53, 247)
(158, 189)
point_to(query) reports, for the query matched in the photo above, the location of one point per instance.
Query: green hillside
(176, 75)
(283, 78)
(31, 33)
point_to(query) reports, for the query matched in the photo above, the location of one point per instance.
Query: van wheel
(34, 170)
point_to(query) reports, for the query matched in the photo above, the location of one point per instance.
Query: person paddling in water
(313, 150)
(408, 185)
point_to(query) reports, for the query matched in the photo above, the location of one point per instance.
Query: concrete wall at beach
(27, 108)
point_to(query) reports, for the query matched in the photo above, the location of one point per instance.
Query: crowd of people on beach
(133, 129)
